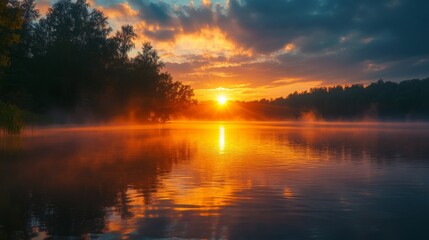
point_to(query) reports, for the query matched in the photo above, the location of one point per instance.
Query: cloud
(263, 43)
(161, 35)
(120, 11)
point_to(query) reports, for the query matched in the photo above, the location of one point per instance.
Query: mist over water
(227, 180)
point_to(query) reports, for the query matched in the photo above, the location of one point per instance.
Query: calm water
(217, 180)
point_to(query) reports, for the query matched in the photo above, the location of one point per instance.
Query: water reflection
(178, 180)
(221, 139)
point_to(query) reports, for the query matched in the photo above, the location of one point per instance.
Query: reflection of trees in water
(358, 143)
(68, 185)
(330, 204)
(98, 175)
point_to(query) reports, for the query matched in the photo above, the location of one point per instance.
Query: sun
(221, 100)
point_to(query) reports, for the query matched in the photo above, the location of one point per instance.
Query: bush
(10, 118)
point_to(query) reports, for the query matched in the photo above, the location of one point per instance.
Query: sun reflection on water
(221, 139)
(196, 181)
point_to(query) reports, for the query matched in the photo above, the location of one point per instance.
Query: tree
(10, 23)
(123, 42)
(72, 44)
(380, 100)
(67, 64)
(16, 75)
(160, 95)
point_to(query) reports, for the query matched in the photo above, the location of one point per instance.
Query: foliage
(404, 101)
(10, 118)
(10, 23)
(380, 100)
(70, 66)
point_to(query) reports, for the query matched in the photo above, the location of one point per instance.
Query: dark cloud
(398, 28)
(183, 19)
(161, 35)
(267, 26)
(337, 41)
(155, 11)
(192, 19)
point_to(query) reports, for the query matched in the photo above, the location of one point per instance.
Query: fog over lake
(222, 180)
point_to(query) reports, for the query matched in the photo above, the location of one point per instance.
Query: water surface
(217, 180)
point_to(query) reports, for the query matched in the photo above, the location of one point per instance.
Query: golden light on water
(288, 193)
(196, 173)
(221, 139)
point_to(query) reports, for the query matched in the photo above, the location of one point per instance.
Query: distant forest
(407, 100)
(70, 66)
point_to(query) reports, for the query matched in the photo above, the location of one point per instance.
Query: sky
(253, 49)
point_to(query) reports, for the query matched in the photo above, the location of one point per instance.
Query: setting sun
(214, 119)
(221, 100)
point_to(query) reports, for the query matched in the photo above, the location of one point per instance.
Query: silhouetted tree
(379, 100)
(10, 23)
(16, 79)
(70, 51)
(67, 64)
(123, 41)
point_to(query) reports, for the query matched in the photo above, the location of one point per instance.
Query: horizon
(272, 49)
(214, 119)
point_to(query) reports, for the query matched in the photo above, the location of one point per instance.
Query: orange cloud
(212, 44)
(207, 42)
(120, 11)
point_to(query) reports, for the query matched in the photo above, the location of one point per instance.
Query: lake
(217, 180)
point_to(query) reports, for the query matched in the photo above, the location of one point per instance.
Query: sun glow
(221, 100)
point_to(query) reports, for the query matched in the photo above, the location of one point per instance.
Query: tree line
(390, 101)
(69, 65)
(382, 100)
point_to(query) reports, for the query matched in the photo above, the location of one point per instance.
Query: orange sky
(253, 49)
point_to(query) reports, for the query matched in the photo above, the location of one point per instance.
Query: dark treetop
(69, 65)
